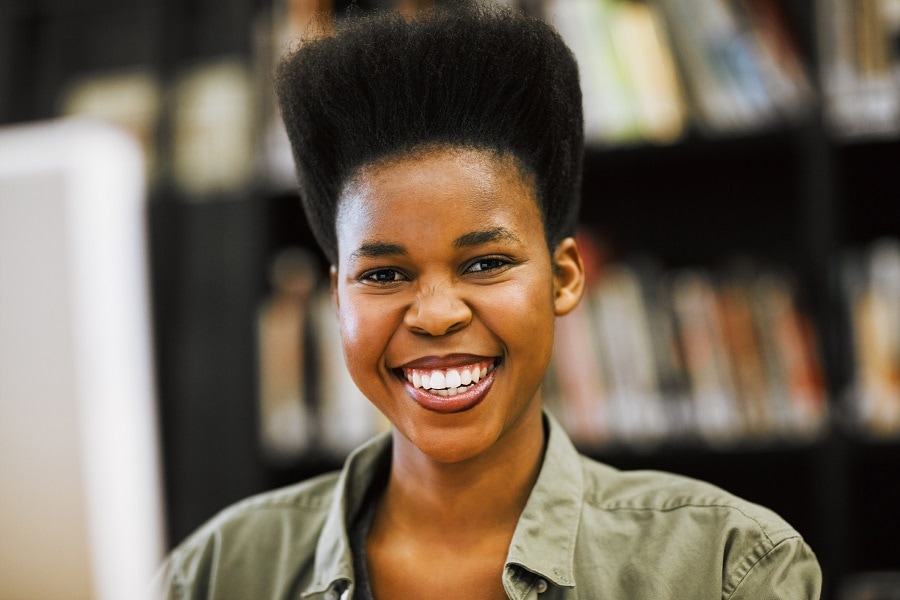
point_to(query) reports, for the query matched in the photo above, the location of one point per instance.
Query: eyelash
(370, 276)
(496, 263)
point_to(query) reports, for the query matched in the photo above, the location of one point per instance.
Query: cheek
(356, 336)
(366, 328)
(523, 315)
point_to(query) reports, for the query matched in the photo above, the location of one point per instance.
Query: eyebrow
(476, 238)
(378, 249)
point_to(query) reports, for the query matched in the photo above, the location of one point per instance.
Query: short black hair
(384, 85)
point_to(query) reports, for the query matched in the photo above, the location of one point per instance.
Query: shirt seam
(759, 560)
(762, 528)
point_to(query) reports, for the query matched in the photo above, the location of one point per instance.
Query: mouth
(451, 389)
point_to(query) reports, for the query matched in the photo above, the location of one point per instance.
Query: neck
(486, 493)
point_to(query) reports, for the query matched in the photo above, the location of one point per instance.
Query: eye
(482, 265)
(382, 276)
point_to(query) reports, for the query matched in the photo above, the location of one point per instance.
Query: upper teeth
(447, 381)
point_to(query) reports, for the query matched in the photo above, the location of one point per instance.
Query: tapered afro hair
(384, 85)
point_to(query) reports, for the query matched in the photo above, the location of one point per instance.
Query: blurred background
(741, 219)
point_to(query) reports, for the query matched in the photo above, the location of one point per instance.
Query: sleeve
(185, 573)
(787, 570)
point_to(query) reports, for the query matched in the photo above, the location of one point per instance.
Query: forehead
(440, 189)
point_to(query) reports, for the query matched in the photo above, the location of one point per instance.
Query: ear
(568, 277)
(335, 298)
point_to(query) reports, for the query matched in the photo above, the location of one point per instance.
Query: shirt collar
(544, 540)
(334, 561)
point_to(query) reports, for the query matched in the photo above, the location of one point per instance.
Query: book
(779, 57)
(797, 387)
(284, 422)
(577, 377)
(701, 33)
(872, 287)
(630, 87)
(641, 45)
(622, 327)
(608, 114)
(212, 129)
(741, 337)
(860, 66)
(742, 67)
(580, 380)
(700, 334)
(672, 379)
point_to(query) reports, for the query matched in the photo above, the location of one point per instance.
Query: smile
(451, 389)
(449, 382)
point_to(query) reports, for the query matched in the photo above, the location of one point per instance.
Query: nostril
(435, 315)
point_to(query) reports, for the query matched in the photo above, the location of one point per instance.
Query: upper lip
(445, 362)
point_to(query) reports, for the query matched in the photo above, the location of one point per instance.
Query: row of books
(651, 69)
(652, 355)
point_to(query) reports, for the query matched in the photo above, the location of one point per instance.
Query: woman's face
(446, 295)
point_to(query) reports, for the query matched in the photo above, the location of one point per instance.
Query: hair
(384, 85)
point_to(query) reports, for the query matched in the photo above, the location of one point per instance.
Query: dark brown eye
(486, 264)
(383, 276)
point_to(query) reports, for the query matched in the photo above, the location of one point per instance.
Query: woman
(439, 162)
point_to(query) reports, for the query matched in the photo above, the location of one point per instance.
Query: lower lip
(462, 401)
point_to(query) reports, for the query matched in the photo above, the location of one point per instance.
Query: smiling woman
(462, 280)
(444, 185)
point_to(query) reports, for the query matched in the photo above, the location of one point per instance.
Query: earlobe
(568, 276)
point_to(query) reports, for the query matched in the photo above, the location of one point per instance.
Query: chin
(452, 445)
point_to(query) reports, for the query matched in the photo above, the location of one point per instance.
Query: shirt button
(541, 586)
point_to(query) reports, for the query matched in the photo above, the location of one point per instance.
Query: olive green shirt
(587, 531)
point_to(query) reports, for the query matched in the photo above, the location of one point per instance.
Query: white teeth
(450, 382)
(438, 380)
(454, 380)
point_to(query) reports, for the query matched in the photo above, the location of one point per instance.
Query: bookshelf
(795, 193)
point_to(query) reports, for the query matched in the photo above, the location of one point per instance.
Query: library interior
(740, 225)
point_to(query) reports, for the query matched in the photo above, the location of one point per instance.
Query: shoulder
(675, 523)
(608, 489)
(301, 505)
(276, 531)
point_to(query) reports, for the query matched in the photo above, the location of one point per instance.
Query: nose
(437, 310)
